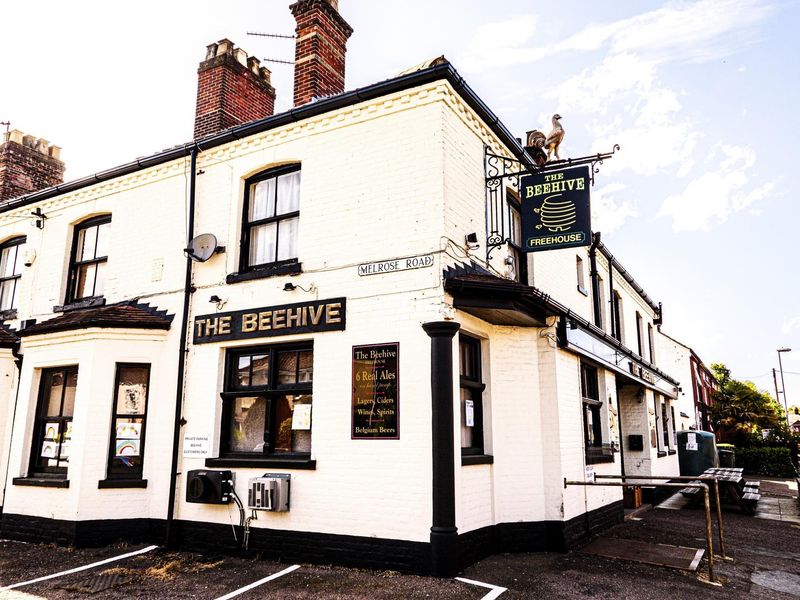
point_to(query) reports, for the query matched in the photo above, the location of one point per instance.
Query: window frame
(514, 207)
(130, 475)
(278, 266)
(651, 342)
(617, 316)
(475, 387)
(270, 392)
(74, 265)
(581, 275)
(16, 241)
(640, 333)
(35, 469)
(596, 450)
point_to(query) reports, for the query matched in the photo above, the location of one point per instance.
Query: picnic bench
(733, 488)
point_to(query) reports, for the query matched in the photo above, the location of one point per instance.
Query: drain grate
(98, 583)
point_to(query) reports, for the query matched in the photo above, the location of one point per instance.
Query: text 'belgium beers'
(556, 210)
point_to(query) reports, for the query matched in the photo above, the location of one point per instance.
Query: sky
(700, 204)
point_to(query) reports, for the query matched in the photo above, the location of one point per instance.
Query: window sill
(672, 452)
(289, 269)
(40, 482)
(661, 454)
(8, 315)
(599, 459)
(86, 303)
(306, 464)
(477, 459)
(583, 290)
(107, 484)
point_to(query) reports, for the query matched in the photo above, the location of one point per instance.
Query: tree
(740, 409)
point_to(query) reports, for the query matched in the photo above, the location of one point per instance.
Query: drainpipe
(598, 320)
(18, 363)
(188, 289)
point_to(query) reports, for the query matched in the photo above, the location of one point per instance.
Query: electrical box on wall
(269, 492)
(209, 487)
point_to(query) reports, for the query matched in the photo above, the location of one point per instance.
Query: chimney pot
(28, 164)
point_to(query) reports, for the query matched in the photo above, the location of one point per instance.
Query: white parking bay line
(496, 589)
(79, 569)
(255, 584)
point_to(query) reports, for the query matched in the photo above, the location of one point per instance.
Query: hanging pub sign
(555, 210)
(286, 319)
(376, 409)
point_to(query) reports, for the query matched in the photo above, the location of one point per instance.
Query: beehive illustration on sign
(555, 214)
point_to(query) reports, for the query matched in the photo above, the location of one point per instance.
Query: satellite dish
(202, 247)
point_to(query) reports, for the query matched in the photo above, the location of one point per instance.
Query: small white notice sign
(469, 413)
(691, 441)
(590, 473)
(195, 446)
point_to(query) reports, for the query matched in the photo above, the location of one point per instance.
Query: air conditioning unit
(270, 492)
(209, 487)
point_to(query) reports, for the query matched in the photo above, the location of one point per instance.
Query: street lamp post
(783, 384)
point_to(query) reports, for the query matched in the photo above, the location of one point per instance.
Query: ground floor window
(267, 401)
(131, 390)
(471, 394)
(593, 414)
(52, 431)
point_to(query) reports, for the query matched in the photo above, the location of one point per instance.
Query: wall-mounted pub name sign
(555, 209)
(286, 319)
(376, 404)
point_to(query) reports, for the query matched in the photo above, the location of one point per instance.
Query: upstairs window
(515, 237)
(601, 294)
(87, 269)
(639, 334)
(579, 271)
(271, 219)
(10, 272)
(616, 307)
(651, 342)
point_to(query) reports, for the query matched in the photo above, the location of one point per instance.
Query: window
(271, 218)
(665, 424)
(590, 394)
(579, 269)
(617, 308)
(639, 334)
(131, 388)
(52, 432)
(10, 272)
(651, 343)
(267, 401)
(515, 238)
(471, 393)
(87, 270)
(601, 294)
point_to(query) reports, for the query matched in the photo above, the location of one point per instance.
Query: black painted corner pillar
(444, 533)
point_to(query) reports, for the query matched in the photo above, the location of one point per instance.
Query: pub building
(341, 360)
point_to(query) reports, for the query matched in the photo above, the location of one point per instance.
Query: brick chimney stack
(232, 88)
(320, 47)
(28, 164)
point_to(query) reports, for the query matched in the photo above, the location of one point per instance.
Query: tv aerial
(203, 247)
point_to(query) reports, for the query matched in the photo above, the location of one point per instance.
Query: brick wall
(28, 164)
(319, 62)
(232, 88)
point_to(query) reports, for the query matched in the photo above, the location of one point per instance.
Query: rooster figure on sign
(538, 141)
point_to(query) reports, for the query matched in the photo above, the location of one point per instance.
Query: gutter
(188, 289)
(444, 71)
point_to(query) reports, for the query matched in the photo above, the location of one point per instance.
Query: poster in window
(127, 448)
(469, 413)
(129, 431)
(49, 449)
(64, 450)
(131, 398)
(51, 431)
(301, 417)
(375, 400)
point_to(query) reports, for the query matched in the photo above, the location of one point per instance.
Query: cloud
(790, 325)
(502, 44)
(717, 193)
(608, 212)
(630, 106)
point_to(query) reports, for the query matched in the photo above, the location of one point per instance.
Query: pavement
(765, 564)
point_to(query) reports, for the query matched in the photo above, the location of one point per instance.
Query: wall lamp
(38, 218)
(290, 287)
(471, 239)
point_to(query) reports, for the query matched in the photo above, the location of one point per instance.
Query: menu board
(376, 408)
